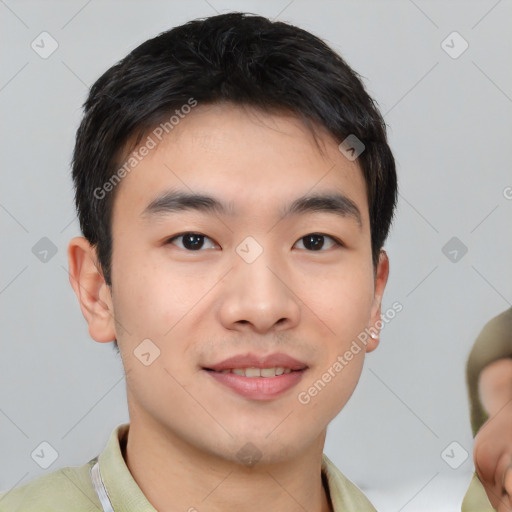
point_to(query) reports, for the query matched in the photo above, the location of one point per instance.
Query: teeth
(254, 372)
(257, 372)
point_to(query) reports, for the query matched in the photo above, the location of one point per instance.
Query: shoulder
(501, 322)
(64, 490)
(493, 342)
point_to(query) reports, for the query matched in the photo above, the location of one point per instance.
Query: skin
(493, 443)
(200, 307)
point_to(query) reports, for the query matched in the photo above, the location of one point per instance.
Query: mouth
(267, 366)
(258, 378)
(253, 372)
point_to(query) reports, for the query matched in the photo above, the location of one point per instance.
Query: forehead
(254, 161)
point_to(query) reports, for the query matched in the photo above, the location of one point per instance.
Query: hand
(493, 458)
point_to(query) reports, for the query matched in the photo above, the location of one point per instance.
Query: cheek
(343, 305)
(332, 384)
(150, 299)
(341, 299)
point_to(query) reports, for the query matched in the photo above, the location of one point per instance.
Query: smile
(258, 372)
(257, 383)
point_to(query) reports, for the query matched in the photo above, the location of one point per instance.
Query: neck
(176, 476)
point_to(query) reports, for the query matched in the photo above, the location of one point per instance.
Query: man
(235, 188)
(489, 380)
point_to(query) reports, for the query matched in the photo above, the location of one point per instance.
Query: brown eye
(190, 241)
(316, 242)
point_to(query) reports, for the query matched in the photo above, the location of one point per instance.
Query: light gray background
(450, 123)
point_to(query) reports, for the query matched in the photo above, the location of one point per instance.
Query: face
(196, 284)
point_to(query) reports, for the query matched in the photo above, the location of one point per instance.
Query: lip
(258, 388)
(254, 361)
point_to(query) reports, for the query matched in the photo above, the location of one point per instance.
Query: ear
(381, 279)
(93, 293)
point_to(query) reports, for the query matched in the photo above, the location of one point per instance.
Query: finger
(503, 508)
(507, 481)
(500, 503)
(498, 499)
(487, 459)
(504, 505)
(502, 470)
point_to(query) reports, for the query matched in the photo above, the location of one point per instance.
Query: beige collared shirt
(110, 486)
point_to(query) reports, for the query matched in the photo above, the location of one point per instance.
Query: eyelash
(337, 243)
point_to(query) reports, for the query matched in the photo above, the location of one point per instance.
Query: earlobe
(374, 332)
(91, 290)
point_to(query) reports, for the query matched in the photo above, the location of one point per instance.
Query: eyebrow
(177, 201)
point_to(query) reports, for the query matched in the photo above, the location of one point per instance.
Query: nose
(259, 296)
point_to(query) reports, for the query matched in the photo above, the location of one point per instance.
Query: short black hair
(241, 58)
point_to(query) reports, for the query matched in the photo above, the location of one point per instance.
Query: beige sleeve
(494, 342)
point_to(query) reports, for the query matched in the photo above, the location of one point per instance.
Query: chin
(260, 450)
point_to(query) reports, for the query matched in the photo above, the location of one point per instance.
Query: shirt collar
(126, 495)
(122, 489)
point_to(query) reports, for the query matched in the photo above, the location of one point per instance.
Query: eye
(315, 241)
(190, 241)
